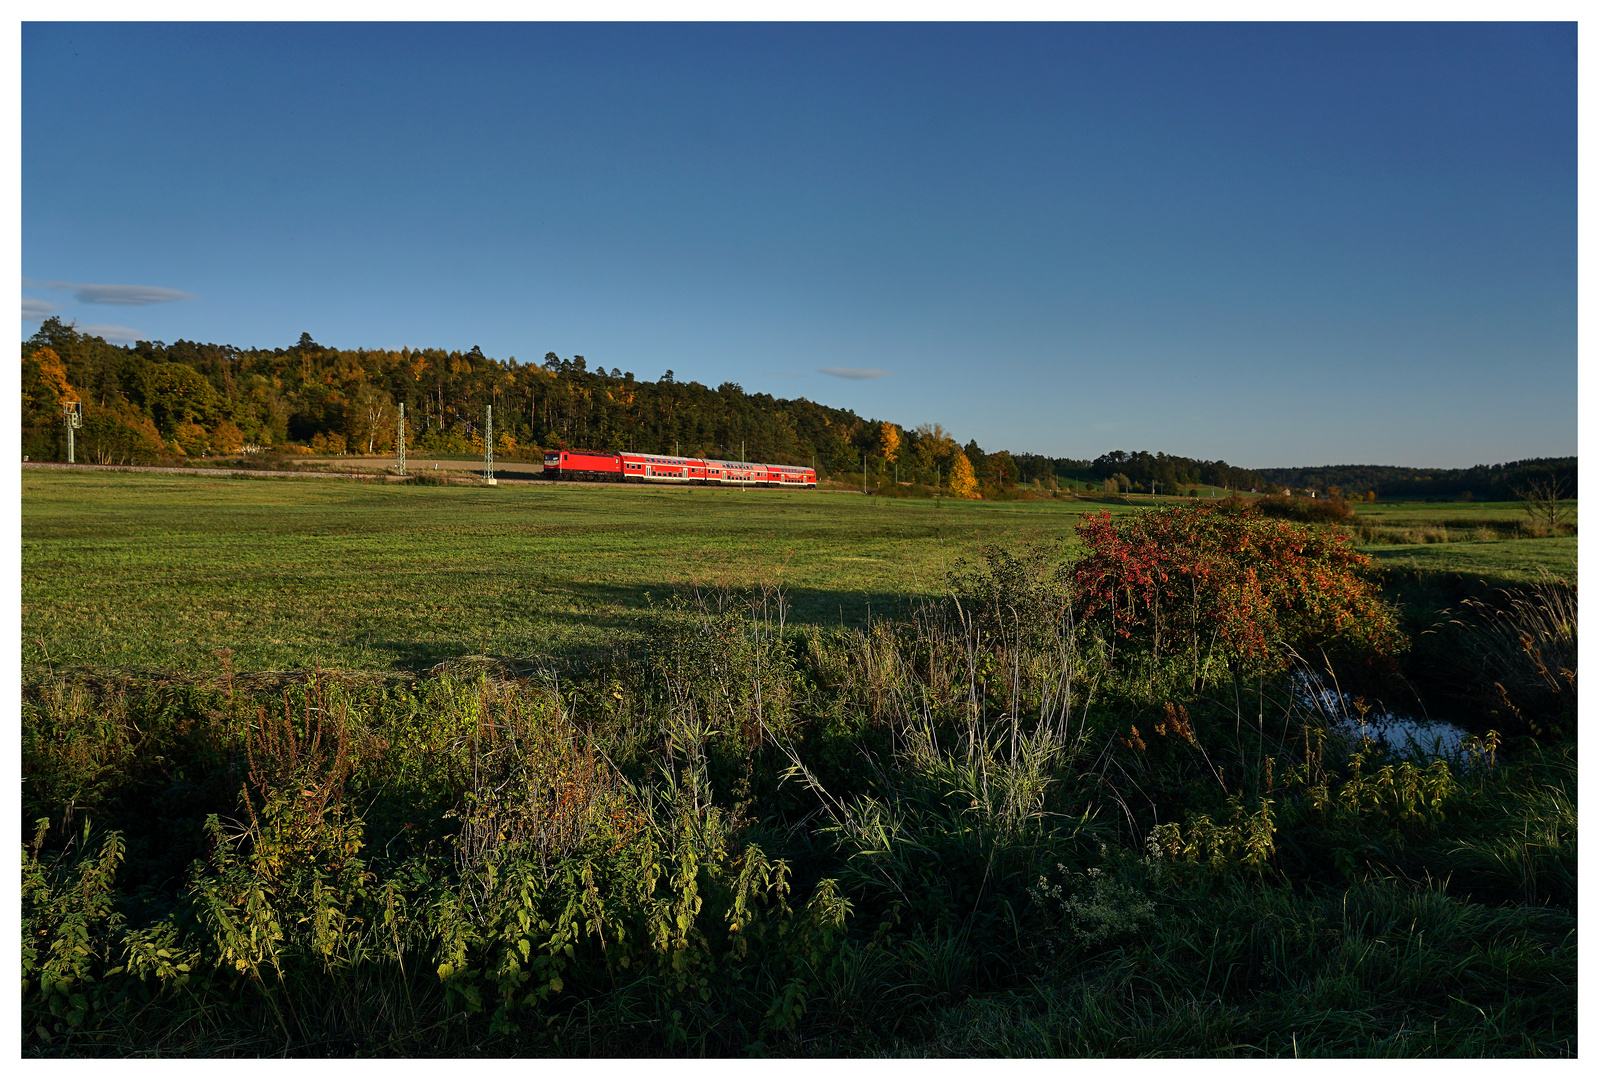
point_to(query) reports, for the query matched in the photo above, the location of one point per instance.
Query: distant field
(1502, 561)
(148, 571)
(1449, 513)
(1486, 540)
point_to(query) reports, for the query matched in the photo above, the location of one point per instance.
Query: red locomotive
(664, 469)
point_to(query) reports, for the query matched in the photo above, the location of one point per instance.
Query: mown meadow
(331, 769)
(292, 573)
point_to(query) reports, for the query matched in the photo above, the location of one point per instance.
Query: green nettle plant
(70, 924)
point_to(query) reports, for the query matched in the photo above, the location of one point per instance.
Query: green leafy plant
(70, 923)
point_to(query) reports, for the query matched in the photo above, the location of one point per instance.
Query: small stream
(1409, 736)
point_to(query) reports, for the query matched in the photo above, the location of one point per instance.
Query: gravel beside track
(204, 472)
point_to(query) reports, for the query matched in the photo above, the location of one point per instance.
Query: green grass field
(1399, 513)
(1497, 562)
(933, 838)
(1475, 540)
(159, 572)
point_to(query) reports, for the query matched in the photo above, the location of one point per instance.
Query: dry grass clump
(539, 788)
(1515, 654)
(1401, 532)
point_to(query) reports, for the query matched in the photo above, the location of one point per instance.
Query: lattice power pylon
(488, 445)
(72, 417)
(399, 442)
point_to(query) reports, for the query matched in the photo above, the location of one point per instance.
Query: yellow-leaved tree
(191, 439)
(888, 442)
(962, 481)
(226, 438)
(53, 374)
(933, 445)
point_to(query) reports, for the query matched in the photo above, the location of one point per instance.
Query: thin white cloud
(854, 372)
(119, 334)
(33, 310)
(127, 295)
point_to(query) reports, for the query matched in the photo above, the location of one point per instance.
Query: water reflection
(1408, 736)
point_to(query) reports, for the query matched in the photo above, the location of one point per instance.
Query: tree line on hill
(1143, 471)
(152, 401)
(1168, 473)
(1492, 483)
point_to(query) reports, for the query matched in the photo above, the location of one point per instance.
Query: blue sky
(1279, 245)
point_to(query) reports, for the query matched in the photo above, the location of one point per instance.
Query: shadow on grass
(605, 617)
(1500, 564)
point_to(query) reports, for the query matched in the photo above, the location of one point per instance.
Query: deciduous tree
(369, 416)
(53, 374)
(177, 394)
(1543, 500)
(191, 438)
(962, 481)
(888, 442)
(226, 438)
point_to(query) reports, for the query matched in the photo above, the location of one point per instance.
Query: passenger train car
(664, 469)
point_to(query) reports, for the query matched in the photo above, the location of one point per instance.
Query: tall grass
(1513, 655)
(1453, 530)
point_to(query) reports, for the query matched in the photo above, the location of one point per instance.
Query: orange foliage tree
(888, 442)
(53, 374)
(962, 481)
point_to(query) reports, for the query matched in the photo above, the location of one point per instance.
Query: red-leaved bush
(1244, 588)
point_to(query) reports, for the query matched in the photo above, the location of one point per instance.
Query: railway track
(364, 477)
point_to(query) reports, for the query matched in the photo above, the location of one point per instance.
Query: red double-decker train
(664, 469)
